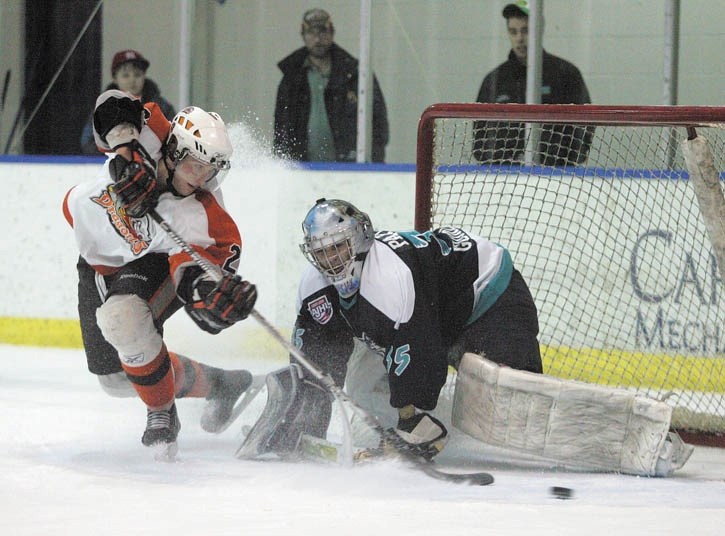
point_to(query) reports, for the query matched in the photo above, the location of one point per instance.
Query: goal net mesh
(597, 209)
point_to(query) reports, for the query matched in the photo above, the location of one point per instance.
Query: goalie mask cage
(597, 208)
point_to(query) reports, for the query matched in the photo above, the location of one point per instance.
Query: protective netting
(602, 221)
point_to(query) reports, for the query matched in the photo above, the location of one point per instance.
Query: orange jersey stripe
(156, 120)
(227, 247)
(197, 386)
(66, 210)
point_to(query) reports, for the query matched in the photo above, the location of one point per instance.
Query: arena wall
(267, 198)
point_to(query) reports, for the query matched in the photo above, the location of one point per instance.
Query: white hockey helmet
(203, 136)
(337, 237)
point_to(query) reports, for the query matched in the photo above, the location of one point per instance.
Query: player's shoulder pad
(311, 282)
(155, 119)
(395, 240)
(387, 282)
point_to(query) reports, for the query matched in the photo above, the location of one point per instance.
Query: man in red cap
(128, 69)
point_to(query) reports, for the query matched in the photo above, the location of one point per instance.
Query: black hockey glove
(419, 435)
(216, 306)
(134, 182)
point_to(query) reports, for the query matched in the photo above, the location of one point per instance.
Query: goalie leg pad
(570, 424)
(295, 406)
(366, 383)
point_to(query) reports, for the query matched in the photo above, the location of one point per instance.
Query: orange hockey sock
(154, 382)
(192, 380)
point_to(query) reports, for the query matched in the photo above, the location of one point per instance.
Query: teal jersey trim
(348, 303)
(488, 295)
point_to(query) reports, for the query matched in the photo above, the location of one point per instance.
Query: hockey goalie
(387, 313)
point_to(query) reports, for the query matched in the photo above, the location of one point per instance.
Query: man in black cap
(315, 116)
(562, 83)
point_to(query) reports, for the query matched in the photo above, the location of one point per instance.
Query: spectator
(128, 70)
(561, 83)
(315, 116)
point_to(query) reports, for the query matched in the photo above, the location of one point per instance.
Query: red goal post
(600, 213)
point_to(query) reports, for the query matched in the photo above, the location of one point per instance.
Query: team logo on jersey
(320, 309)
(120, 224)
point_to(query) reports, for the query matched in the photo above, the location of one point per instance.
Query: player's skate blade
(165, 452)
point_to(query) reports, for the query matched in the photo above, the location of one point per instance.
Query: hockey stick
(388, 435)
(346, 454)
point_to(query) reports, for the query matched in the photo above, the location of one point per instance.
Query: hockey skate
(162, 428)
(222, 407)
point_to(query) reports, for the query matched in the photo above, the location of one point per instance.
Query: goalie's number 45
(401, 358)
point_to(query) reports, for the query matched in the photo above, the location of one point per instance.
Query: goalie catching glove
(134, 181)
(215, 306)
(419, 434)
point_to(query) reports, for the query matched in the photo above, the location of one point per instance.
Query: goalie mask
(198, 143)
(337, 237)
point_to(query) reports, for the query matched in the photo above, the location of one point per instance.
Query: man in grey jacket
(315, 115)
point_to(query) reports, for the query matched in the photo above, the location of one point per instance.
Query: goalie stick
(388, 435)
(324, 451)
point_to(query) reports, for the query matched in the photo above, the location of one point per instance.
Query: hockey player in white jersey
(418, 300)
(133, 277)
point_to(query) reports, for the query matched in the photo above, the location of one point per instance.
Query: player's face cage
(203, 171)
(332, 254)
(195, 166)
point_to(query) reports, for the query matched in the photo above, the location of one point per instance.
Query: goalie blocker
(570, 424)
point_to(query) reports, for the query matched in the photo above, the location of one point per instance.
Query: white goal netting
(596, 206)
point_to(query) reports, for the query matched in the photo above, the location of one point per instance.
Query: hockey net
(600, 214)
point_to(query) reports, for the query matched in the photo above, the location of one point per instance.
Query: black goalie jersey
(418, 293)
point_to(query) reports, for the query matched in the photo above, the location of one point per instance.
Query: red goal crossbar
(599, 207)
(586, 114)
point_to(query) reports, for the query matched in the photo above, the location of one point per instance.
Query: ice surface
(71, 462)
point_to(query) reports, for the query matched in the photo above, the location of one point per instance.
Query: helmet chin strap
(170, 179)
(171, 187)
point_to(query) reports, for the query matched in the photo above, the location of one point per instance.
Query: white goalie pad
(367, 384)
(569, 424)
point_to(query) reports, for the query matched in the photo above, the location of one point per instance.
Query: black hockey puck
(560, 492)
